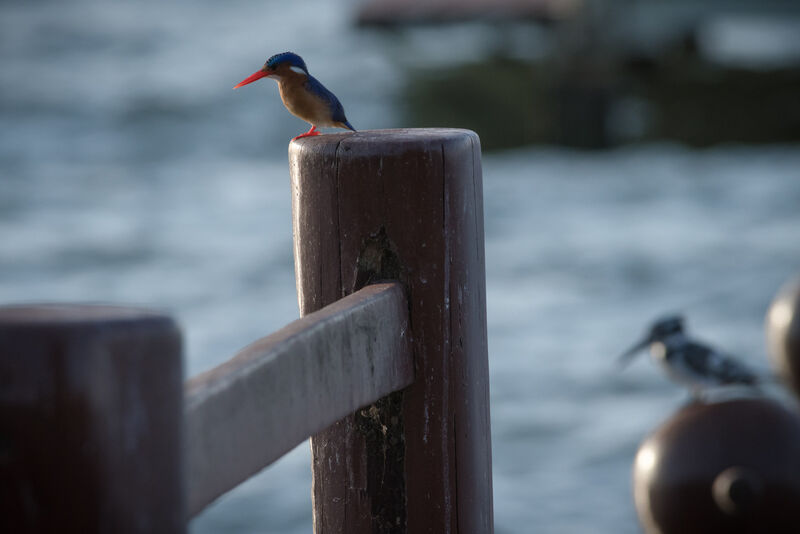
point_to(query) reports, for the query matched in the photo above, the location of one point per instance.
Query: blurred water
(130, 172)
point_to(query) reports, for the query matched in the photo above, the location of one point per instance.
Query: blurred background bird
(302, 94)
(688, 362)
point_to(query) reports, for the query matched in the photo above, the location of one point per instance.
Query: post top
(385, 138)
(75, 314)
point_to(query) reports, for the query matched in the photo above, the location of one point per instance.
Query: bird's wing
(337, 111)
(709, 362)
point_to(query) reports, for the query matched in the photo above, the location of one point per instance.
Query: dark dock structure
(386, 371)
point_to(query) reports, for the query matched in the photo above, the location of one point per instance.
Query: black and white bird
(688, 362)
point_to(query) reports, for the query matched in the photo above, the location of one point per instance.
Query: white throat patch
(658, 350)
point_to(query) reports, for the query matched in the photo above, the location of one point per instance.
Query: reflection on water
(130, 172)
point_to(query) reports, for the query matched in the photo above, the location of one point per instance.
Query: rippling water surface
(131, 173)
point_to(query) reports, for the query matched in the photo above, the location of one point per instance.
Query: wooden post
(90, 421)
(402, 205)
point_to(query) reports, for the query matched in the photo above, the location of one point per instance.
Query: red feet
(313, 131)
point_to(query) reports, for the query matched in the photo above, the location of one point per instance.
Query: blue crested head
(286, 58)
(665, 327)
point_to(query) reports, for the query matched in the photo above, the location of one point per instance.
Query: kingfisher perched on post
(688, 361)
(302, 94)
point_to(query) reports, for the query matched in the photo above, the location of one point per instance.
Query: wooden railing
(309, 374)
(386, 370)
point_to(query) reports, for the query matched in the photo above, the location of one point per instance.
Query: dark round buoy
(729, 467)
(783, 334)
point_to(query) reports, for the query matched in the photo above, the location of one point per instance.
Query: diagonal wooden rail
(251, 410)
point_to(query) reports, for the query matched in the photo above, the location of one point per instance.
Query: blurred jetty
(596, 74)
(398, 12)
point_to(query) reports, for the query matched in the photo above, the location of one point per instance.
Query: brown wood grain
(403, 205)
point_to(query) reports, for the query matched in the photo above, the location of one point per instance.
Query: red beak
(253, 77)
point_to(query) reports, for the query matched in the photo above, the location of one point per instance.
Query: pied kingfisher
(688, 362)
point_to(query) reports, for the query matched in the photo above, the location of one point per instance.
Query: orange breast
(302, 103)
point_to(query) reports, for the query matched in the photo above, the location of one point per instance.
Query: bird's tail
(346, 124)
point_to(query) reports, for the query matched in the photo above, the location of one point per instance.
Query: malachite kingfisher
(302, 94)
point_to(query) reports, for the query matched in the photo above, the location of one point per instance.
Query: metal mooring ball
(727, 467)
(783, 334)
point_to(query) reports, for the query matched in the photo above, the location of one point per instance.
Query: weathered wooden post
(404, 205)
(90, 421)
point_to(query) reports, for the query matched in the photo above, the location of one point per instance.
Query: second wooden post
(402, 205)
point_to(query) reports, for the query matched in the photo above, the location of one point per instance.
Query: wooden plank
(249, 411)
(90, 420)
(404, 205)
